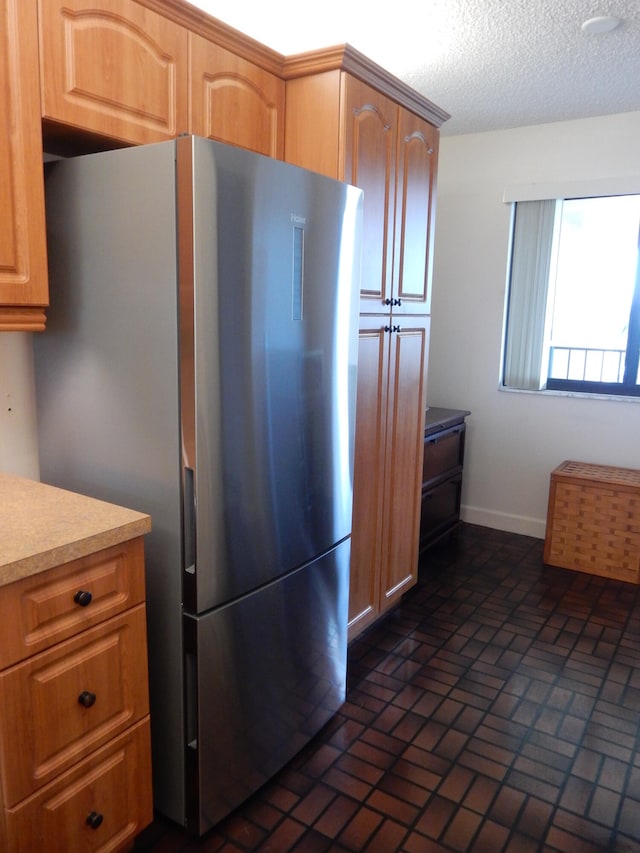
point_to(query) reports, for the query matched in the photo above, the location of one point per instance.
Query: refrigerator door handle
(189, 520)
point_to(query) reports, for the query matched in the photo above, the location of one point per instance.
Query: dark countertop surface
(437, 418)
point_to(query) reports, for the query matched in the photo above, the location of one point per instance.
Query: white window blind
(531, 260)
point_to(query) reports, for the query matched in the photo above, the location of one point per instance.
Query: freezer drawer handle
(94, 819)
(189, 522)
(87, 698)
(82, 597)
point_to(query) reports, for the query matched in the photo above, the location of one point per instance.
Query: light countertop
(42, 526)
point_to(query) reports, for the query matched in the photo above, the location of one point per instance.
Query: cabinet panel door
(235, 101)
(113, 67)
(23, 259)
(409, 346)
(366, 537)
(370, 129)
(415, 209)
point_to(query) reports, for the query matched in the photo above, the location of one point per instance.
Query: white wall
(18, 437)
(515, 439)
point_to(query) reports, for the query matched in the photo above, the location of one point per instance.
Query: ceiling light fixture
(600, 24)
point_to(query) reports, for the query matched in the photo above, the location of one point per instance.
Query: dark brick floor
(496, 709)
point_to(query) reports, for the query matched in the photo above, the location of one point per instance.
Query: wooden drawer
(44, 609)
(107, 785)
(443, 453)
(45, 725)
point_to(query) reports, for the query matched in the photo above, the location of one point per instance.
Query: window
(573, 312)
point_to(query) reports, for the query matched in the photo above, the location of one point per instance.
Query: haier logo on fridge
(297, 219)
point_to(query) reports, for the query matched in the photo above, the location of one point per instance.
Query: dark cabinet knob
(94, 819)
(398, 301)
(87, 698)
(82, 597)
(388, 301)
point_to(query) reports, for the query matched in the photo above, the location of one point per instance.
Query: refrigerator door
(268, 419)
(264, 673)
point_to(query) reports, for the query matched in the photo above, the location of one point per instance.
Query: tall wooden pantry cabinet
(349, 119)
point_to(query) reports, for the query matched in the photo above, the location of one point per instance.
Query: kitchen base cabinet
(75, 750)
(444, 438)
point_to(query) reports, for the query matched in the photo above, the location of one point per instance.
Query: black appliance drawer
(443, 453)
(440, 509)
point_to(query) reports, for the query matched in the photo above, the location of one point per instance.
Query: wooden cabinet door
(23, 256)
(409, 346)
(414, 214)
(369, 151)
(113, 67)
(233, 100)
(368, 478)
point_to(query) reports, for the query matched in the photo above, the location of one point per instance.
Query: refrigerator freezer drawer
(268, 671)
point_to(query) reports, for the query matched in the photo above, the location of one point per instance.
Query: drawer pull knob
(87, 698)
(94, 819)
(82, 597)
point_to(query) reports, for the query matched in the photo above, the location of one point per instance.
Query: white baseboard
(504, 521)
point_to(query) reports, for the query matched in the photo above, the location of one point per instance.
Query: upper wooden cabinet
(234, 100)
(23, 257)
(113, 67)
(416, 167)
(370, 124)
(382, 137)
(141, 71)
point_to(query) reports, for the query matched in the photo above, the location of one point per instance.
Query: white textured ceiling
(492, 64)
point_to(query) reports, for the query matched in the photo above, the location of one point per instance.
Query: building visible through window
(573, 311)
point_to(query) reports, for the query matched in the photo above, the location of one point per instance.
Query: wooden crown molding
(199, 22)
(346, 58)
(343, 57)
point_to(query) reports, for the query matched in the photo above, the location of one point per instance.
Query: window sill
(619, 398)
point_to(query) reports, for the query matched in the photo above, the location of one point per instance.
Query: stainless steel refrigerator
(200, 365)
